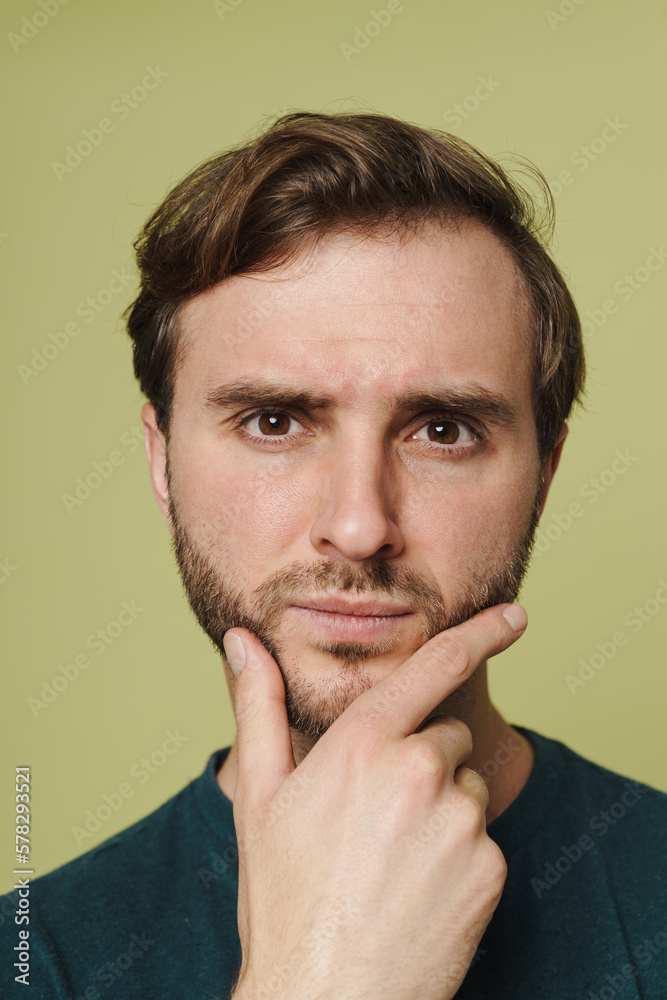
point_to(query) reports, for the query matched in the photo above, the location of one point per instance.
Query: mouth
(352, 620)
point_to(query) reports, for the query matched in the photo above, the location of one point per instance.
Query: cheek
(253, 511)
(270, 515)
(464, 521)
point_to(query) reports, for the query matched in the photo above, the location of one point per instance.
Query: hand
(340, 893)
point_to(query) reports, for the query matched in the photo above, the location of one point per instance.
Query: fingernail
(234, 651)
(516, 616)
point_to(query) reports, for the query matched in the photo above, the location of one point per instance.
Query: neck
(501, 755)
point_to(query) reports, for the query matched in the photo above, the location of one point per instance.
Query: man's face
(358, 492)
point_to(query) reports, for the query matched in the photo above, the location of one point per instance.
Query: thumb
(264, 745)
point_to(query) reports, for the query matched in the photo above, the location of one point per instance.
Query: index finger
(404, 699)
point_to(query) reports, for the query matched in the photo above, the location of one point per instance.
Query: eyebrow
(468, 397)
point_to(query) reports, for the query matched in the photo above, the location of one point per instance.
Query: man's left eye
(447, 432)
(271, 423)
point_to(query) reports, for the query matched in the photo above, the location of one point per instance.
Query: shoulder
(174, 838)
(91, 915)
(117, 859)
(613, 815)
(619, 793)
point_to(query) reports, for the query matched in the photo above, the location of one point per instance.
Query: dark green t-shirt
(151, 912)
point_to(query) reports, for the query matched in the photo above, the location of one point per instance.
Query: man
(359, 360)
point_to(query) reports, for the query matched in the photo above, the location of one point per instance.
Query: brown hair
(255, 206)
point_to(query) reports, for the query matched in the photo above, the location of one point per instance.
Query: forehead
(357, 311)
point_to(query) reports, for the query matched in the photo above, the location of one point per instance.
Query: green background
(230, 68)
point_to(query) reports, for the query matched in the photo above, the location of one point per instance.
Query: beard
(312, 706)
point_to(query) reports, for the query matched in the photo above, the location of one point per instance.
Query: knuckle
(371, 711)
(461, 732)
(475, 783)
(493, 865)
(472, 812)
(452, 654)
(451, 732)
(422, 757)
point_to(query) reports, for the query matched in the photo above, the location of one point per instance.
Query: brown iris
(444, 429)
(271, 422)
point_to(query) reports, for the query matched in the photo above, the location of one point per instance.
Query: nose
(356, 518)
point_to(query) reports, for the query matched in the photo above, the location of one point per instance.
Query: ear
(551, 465)
(156, 453)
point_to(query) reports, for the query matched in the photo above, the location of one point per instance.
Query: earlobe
(156, 453)
(551, 465)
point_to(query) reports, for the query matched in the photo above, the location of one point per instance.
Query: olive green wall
(576, 87)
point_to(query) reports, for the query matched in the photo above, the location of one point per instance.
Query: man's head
(379, 294)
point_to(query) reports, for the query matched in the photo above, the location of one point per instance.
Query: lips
(369, 608)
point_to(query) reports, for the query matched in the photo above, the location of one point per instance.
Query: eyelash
(269, 442)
